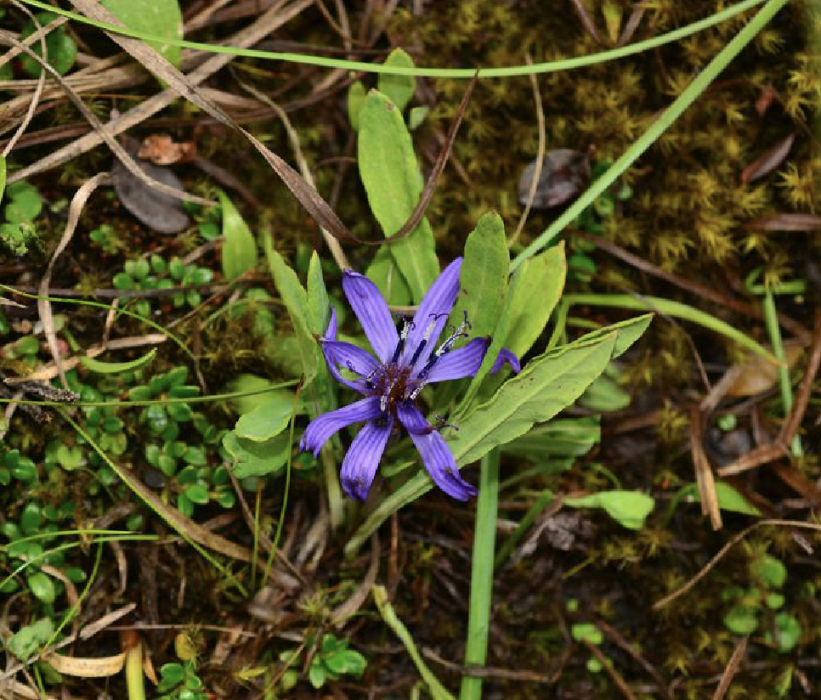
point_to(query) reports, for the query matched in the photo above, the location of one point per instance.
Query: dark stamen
(403, 336)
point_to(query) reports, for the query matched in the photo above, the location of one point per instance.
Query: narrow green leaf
(629, 332)
(483, 278)
(543, 388)
(391, 619)
(117, 367)
(159, 18)
(318, 304)
(543, 278)
(356, 98)
(390, 174)
(239, 251)
(629, 508)
(399, 88)
(567, 437)
(296, 301)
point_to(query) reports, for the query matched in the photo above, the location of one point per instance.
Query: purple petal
(330, 333)
(506, 355)
(465, 362)
(373, 313)
(321, 428)
(436, 305)
(460, 363)
(362, 459)
(435, 453)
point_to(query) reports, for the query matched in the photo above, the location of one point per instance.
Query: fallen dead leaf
(564, 173)
(759, 375)
(163, 150)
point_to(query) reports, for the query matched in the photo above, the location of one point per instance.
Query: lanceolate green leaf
(390, 174)
(483, 279)
(117, 367)
(239, 252)
(546, 386)
(535, 298)
(2, 177)
(399, 88)
(318, 304)
(160, 18)
(296, 301)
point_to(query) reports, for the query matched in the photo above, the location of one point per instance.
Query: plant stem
(481, 577)
(774, 332)
(134, 680)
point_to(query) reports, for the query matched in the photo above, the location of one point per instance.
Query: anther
(403, 336)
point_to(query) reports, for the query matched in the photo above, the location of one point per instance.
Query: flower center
(391, 385)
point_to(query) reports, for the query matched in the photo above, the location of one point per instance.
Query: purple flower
(408, 361)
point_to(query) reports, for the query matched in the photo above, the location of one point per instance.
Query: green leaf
(567, 437)
(25, 643)
(252, 383)
(257, 458)
(629, 508)
(731, 500)
(789, 632)
(629, 332)
(316, 675)
(117, 367)
(417, 116)
(741, 619)
(483, 277)
(239, 252)
(544, 387)
(42, 587)
(605, 395)
(385, 274)
(769, 571)
(356, 98)
(161, 18)
(25, 205)
(296, 301)
(318, 304)
(197, 493)
(61, 50)
(586, 632)
(399, 88)
(390, 174)
(267, 420)
(542, 278)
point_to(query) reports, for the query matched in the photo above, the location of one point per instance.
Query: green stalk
(481, 576)
(134, 678)
(675, 309)
(391, 619)
(700, 83)
(774, 332)
(461, 73)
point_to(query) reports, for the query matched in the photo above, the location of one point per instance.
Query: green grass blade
(700, 83)
(392, 69)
